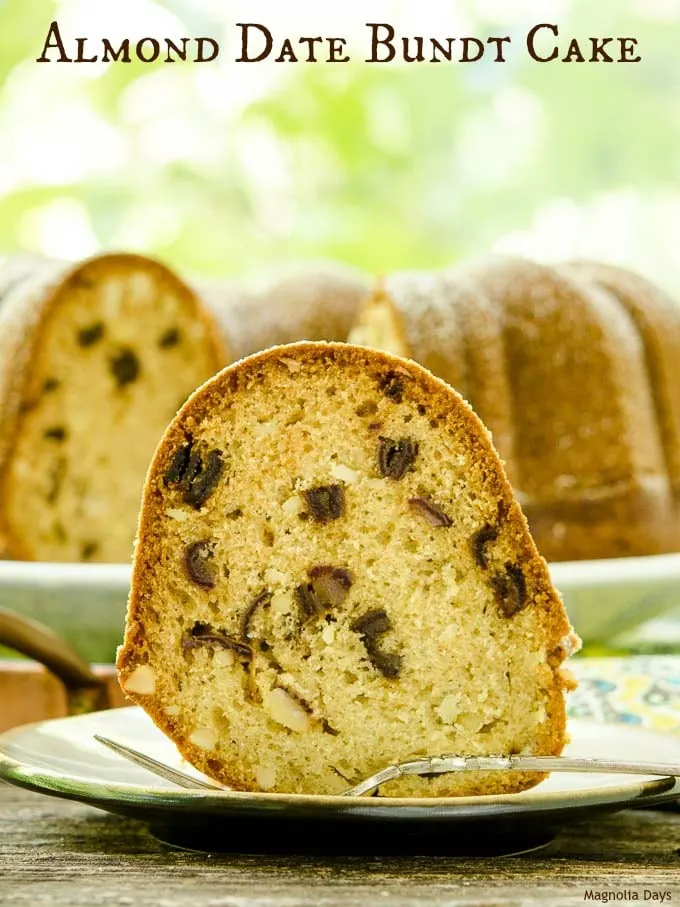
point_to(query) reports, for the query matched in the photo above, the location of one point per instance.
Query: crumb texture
(111, 351)
(574, 370)
(332, 574)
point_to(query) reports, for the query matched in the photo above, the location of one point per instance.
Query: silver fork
(429, 765)
(158, 768)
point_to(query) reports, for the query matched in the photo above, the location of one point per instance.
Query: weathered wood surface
(55, 853)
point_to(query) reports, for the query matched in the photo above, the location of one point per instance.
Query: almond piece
(204, 738)
(293, 506)
(344, 474)
(282, 708)
(448, 708)
(141, 681)
(265, 775)
(282, 603)
(273, 577)
(223, 658)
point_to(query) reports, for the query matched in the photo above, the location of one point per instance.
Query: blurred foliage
(223, 169)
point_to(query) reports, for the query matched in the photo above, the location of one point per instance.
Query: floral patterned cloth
(637, 689)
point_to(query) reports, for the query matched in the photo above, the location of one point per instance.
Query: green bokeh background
(224, 169)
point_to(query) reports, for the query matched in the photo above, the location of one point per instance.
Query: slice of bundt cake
(572, 368)
(331, 574)
(454, 332)
(95, 359)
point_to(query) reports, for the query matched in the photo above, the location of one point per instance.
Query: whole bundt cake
(317, 301)
(575, 370)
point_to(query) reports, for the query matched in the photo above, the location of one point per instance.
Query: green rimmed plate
(62, 758)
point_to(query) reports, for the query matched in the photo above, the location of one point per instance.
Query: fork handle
(436, 765)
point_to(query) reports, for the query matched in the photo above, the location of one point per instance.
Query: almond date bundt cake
(332, 574)
(95, 359)
(318, 301)
(575, 370)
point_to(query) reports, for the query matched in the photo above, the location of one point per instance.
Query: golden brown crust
(315, 302)
(574, 369)
(657, 318)
(443, 404)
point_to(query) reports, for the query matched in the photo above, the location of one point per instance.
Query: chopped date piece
(396, 457)
(510, 590)
(90, 336)
(125, 367)
(370, 626)
(59, 532)
(56, 476)
(330, 585)
(198, 560)
(206, 635)
(392, 386)
(195, 471)
(372, 623)
(88, 550)
(388, 663)
(201, 629)
(307, 602)
(178, 465)
(432, 514)
(261, 601)
(325, 503)
(480, 540)
(170, 338)
(205, 480)
(56, 433)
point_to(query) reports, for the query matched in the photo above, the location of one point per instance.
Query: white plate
(85, 603)
(62, 757)
(605, 598)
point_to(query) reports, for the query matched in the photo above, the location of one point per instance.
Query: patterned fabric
(638, 689)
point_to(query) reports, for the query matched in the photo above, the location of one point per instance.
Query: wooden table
(55, 853)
